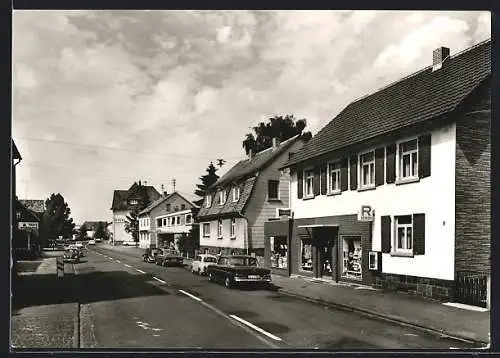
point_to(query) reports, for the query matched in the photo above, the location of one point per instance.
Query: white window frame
(190, 219)
(399, 156)
(134, 202)
(360, 170)
(330, 190)
(304, 183)
(236, 193)
(222, 197)
(208, 200)
(203, 230)
(219, 229)
(233, 228)
(405, 240)
(278, 189)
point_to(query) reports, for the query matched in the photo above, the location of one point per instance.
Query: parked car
(97, 240)
(201, 262)
(150, 254)
(238, 269)
(169, 258)
(128, 243)
(77, 248)
(91, 242)
(71, 255)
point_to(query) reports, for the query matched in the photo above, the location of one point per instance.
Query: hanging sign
(366, 213)
(284, 212)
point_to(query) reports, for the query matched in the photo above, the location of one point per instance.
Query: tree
(100, 232)
(56, 219)
(206, 181)
(279, 127)
(132, 224)
(189, 242)
(82, 232)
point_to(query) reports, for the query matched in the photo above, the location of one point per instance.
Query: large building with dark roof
(395, 190)
(233, 213)
(124, 201)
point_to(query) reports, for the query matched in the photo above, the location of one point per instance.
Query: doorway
(325, 239)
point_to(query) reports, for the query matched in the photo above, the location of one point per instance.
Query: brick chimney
(439, 55)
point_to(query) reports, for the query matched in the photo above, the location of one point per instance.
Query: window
(159, 222)
(367, 169)
(408, 159)
(236, 193)
(233, 227)
(169, 207)
(133, 202)
(208, 200)
(177, 220)
(188, 219)
(206, 229)
(333, 175)
(241, 261)
(222, 197)
(306, 254)
(279, 251)
(308, 183)
(404, 234)
(164, 222)
(210, 259)
(183, 206)
(219, 229)
(273, 189)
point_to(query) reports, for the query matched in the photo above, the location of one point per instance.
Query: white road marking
(411, 334)
(118, 261)
(190, 295)
(258, 329)
(157, 279)
(139, 271)
(127, 265)
(157, 329)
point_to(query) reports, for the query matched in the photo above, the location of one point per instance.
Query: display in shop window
(351, 257)
(306, 256)
(279, 252)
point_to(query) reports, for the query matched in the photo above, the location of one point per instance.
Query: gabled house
(394, 192)
(124, 201)
(26, 241)
(164, 220)
(234, 211)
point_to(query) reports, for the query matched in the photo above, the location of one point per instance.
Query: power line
(117, 149)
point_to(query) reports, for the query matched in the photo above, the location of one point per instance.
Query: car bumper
(242, 279)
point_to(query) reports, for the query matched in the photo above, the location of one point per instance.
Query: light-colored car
(201, 262)
(91, 242)
(128, 243)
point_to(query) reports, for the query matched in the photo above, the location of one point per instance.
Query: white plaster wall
(119, 233)
(434, 196)
(226, 241)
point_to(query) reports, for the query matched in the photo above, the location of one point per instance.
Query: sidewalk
(400, 308)
(39, 319)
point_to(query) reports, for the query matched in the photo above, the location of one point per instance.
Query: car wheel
(211, 277)
(228, 283)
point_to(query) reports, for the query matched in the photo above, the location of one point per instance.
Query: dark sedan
(239, 269)
(150, 254)
(71, 255)
(169, 258)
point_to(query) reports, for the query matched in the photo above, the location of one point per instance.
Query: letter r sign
(366, 213)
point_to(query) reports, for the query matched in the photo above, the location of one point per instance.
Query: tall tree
(132, 224)
(279, 127)
(206, 181)
(56, 219)
(82, 232)
(100, 232)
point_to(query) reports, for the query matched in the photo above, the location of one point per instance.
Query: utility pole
(173, 183)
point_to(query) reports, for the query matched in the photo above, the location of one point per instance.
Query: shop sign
(28, 226)
(366, 213)
(284, 212)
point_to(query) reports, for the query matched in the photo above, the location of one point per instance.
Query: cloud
(483, 30)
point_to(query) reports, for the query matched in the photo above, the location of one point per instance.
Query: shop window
(306, 256)
(404, 234)
(206, 229)
(279, 252)
(408, 159)
(219, 229)
(351, 257)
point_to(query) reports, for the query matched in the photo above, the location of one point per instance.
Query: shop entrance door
(325, 238)
(325, 256)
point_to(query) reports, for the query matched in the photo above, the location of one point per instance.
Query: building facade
(237, 206)
(124, 201)
(395, 191)
(164, 220)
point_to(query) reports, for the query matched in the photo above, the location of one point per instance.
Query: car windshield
(242, 261)
(210, 259)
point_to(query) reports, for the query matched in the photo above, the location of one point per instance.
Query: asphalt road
(130, 303)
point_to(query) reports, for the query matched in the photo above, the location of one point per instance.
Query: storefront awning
(317, 225)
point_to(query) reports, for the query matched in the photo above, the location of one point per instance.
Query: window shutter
(379, 166)
(424, 156)
(386, 233)
(300, 184)
(419, 234)
(390, 164)
(316, 181)
(343, 175)
(324, 168)
(354, 172)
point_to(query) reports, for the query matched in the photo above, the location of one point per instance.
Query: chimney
(139, 183)
(165, 194)
(439, 55)
(276, 142)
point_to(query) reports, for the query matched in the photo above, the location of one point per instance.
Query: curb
(386, 318)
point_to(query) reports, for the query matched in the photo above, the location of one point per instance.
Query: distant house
(234, 211)
(124, 201)
(91, 227)
(164, 220)
(395, 190)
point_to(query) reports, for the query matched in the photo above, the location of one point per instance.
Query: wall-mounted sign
(283, 212)
(366, 213)
(28, 226)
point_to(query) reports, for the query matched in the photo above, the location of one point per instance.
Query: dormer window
(222, 197)
(208, 200)
(236, 193)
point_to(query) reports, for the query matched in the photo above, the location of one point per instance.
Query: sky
(105, 98)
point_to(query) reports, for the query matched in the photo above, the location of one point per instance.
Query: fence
(472, 288)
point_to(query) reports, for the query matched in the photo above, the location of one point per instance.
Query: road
(128, 303)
